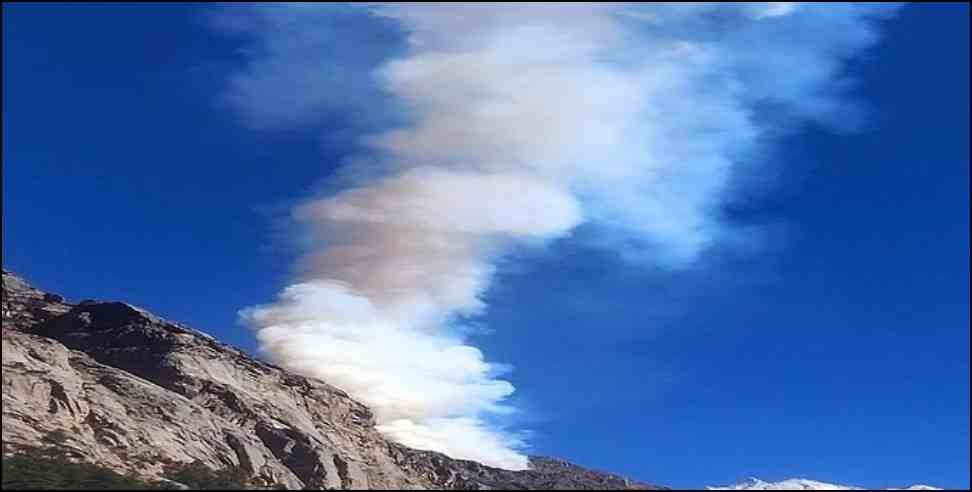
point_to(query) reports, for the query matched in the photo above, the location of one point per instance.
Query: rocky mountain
(133, 392)
(800, 484)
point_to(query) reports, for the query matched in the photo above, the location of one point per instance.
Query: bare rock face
(544, 474)
(133, 392)
(23, 305)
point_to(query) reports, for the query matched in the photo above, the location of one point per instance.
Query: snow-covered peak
(800, 484)
(791, 484)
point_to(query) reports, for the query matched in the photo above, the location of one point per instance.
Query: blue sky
(839, 354)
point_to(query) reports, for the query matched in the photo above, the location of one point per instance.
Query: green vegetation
(198, 476)
(49, 471)
(51, 468)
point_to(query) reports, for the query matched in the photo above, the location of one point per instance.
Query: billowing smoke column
(524, 121)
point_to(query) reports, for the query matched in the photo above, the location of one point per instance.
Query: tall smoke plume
(523, 122)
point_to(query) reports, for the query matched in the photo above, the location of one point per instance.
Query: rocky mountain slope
(134, 392)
